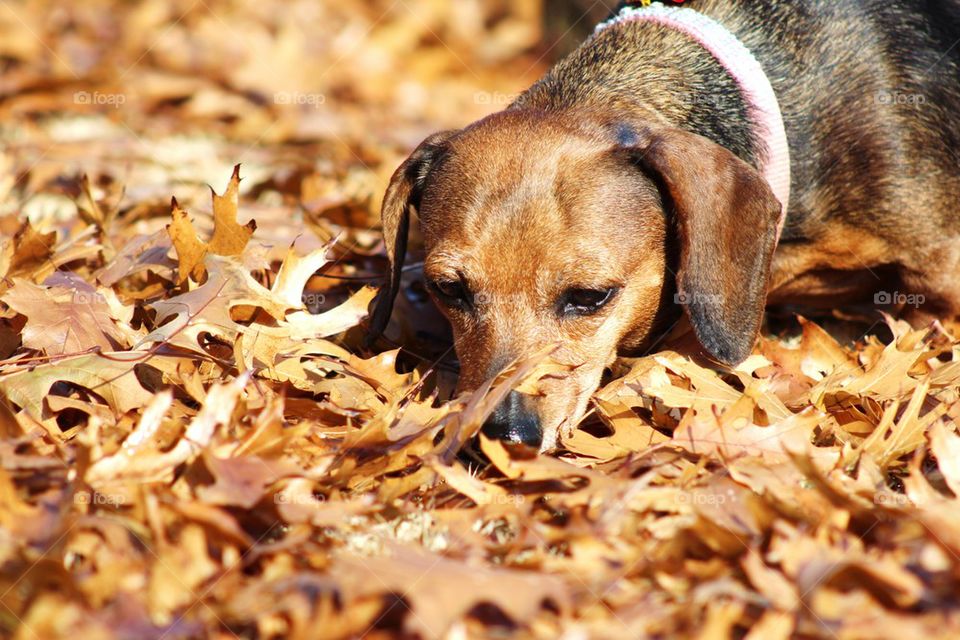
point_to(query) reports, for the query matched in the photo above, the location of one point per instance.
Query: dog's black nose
(513, 421)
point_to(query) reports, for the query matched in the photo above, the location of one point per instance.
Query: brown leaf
(28, 250)
(229, 237)
(207, 308)
(109, 376)
(151, 465)
(67, 315)
(891, 440)
(733, 433)
(945, 445)
(426, 580)
(240, 482)
(190, 249)
(140, 254)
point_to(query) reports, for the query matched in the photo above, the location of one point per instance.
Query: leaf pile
(196, 442)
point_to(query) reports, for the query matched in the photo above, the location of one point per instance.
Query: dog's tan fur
(542, 178)
(607, 174)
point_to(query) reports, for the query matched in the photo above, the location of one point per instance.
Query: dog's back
(870, 96)
(869, 90)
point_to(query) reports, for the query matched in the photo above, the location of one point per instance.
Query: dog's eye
(450, 291)
(584, 302)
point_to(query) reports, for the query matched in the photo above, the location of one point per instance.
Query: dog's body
(630, 172)
(870, 94)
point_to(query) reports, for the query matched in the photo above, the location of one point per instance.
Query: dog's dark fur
(638, 147)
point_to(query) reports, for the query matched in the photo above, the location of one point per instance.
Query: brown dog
(625, 187)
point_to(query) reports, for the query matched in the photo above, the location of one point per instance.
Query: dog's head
(553, 229)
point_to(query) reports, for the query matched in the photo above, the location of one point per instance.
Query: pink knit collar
(746, 71)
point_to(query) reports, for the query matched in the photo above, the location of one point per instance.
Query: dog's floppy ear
(404, 191)
(729, 222)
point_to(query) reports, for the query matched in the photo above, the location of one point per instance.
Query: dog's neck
(770, 137)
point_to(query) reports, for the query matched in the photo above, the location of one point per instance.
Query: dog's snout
(514, 421)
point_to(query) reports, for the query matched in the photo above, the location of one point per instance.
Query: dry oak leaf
(891, 440)
(216, 518)
(268, 437)
(594, 483)
(141, 253)
(68, 315)
(733, 433)
(305, 365)
(945, 445)
(399, 445)
(26, 522)
(886, 378)
(474, 408)
(303, 325)
(393, 429)
(110, 376)
(240, 481)
(27, 250)
(297, 502)
(482, 493)
(206, 308)
(55, 615)
(780, 484)
(630, 434)
(709, 389)
(435, 605)
(380, 372)
(190, 250)
(133, 462)
(289, 287)
(295, 272)
(817, 355)
(939, 514)
(179, 573)
(811, 565)
(229, 237)
(770, 582)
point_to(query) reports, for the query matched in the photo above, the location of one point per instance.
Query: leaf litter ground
(196, 442)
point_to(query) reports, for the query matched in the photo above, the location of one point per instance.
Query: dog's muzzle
(513, 421)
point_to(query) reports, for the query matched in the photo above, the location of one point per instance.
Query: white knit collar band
(762, 104)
